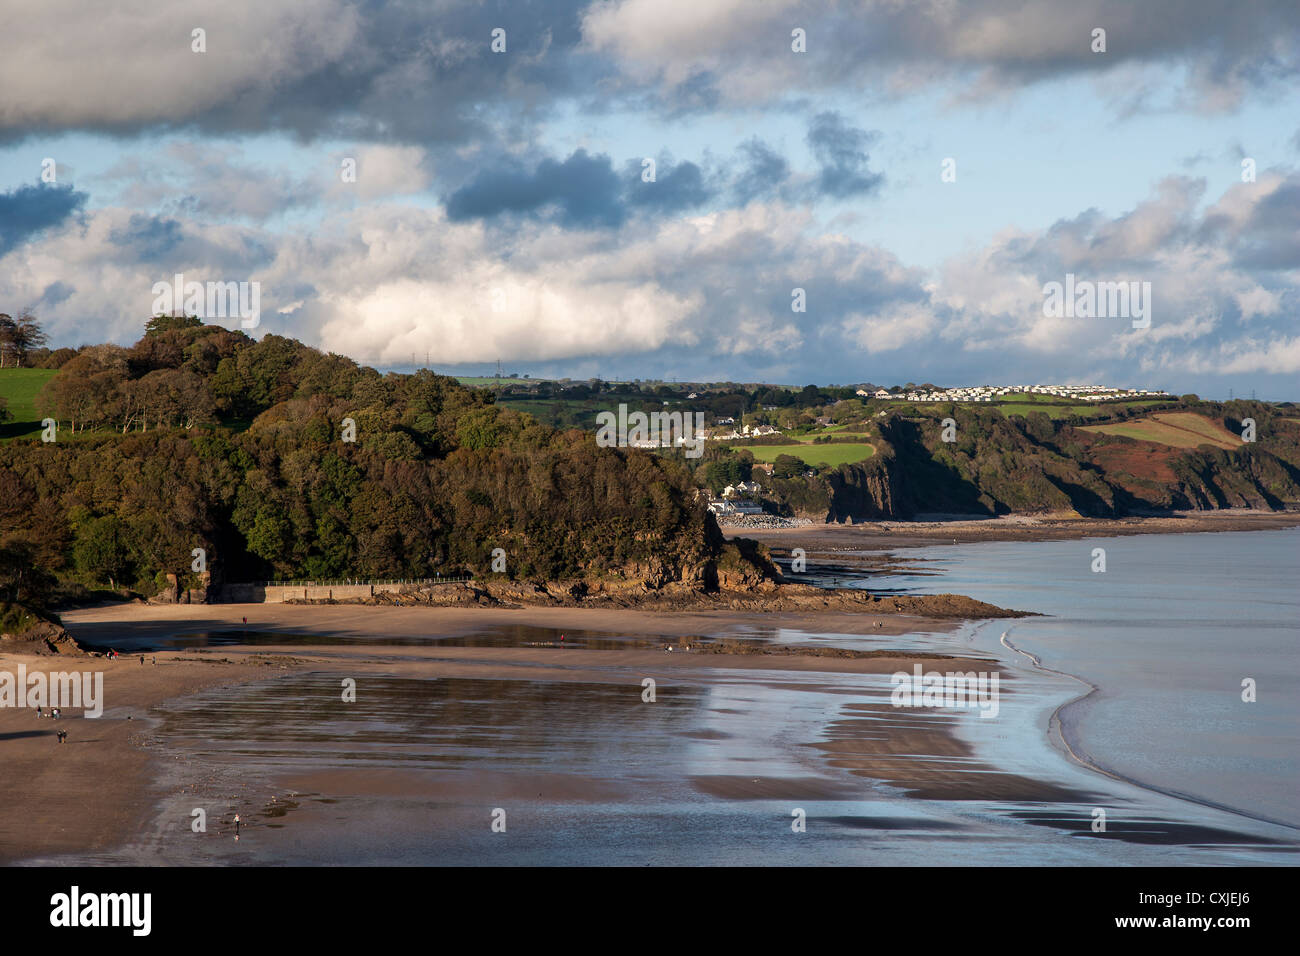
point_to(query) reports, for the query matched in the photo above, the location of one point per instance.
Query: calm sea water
(1167, 634)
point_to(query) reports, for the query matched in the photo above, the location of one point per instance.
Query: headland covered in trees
(200, 457)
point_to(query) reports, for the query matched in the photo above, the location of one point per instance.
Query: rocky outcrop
(174, 594)
(45, 637)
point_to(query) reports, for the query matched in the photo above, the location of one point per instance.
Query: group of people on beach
(60, 735)
(113, 655)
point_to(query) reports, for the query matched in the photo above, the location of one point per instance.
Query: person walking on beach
(236, 824)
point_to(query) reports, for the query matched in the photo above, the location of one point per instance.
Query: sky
(921, 170)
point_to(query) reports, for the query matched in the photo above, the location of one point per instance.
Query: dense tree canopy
(198, 437)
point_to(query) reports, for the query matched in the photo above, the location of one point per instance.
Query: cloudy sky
(501, 208)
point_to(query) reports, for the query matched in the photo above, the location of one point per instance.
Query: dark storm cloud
(391, 71)
(402, 72)
(1270, 238)
(583, 190)
(29, 210)
(887, 48)
(764, 173)
(675, 189)
(841, 151)
(586, 191)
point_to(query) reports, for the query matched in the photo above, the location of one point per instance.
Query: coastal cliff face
(1001, 465)
(872, 489)
(1212, 478)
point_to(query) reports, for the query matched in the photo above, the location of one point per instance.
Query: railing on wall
(354, 582)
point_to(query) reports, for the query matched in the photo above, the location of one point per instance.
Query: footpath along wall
(276, 592)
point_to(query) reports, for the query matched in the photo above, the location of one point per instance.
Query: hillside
(1189, 458)
(201, 438)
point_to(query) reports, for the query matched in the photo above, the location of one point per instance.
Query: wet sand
(443, 733)
(95, 790)
(884, 535)
(374, 621)
(101, 788)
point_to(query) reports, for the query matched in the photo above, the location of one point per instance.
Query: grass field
(1057, 411)
(1177, 429)
(834, 454)
(842, 431)
(493, 380)
(1054, 412)
(19, 386)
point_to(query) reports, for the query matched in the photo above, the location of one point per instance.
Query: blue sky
(498, 211)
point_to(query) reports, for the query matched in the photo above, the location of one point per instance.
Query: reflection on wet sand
(591, 772)
(757, 725)
(917, 751)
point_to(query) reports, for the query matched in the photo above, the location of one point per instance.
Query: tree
(166, 323)
(19, 336)
(101, 550)
(788, 466)
(21, 578)
(88, 389)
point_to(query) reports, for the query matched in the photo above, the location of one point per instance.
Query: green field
(1055, 412)
(493, 380)
(1058, 411)
(833, 454)
(18, 386)
(808, 439)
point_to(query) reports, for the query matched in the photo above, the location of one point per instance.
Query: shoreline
(886, 535)
(104, 791)
(111, 800)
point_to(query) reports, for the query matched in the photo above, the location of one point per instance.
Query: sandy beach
(101, 788)
(95, 790)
